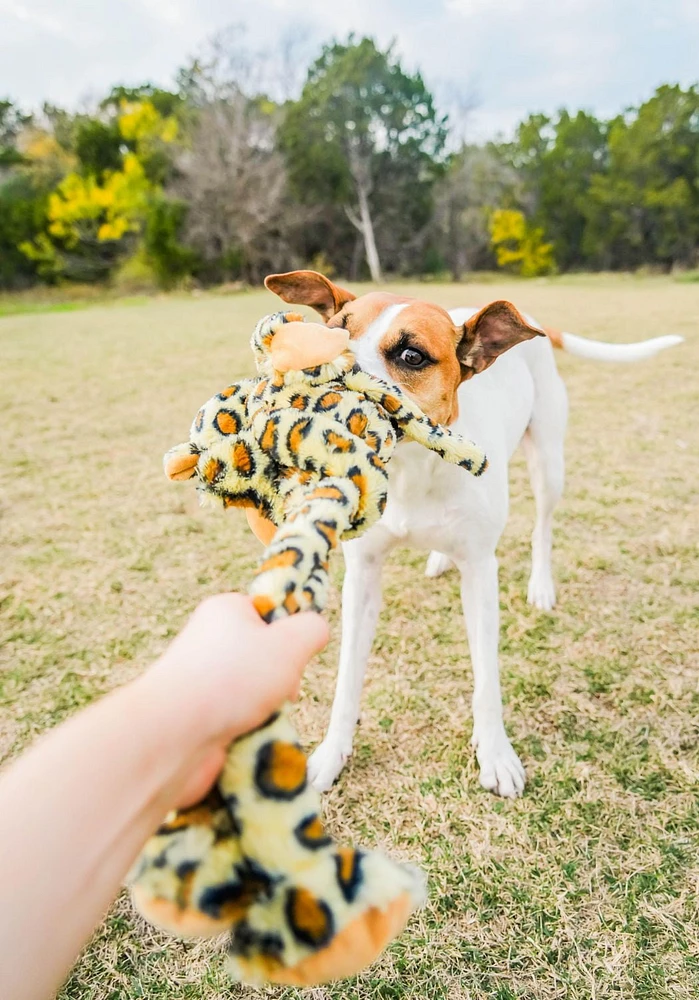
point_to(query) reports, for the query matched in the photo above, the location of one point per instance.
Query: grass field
(585, 888)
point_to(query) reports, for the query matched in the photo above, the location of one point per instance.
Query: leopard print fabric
(255, 860)
(309, 450)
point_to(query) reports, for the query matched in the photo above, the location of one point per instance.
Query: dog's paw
(326, 763)
(501, 769)
(437, 563)
(541, 591)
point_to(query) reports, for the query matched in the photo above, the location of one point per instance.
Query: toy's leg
(254, 858)
(191, 878)
(501, 770)
(543, 447)
(293, 575)
(361, 602)
(322, 911)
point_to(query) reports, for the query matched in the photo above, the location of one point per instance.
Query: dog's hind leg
(543, 447)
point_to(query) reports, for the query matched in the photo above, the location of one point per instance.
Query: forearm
(74, 813)
(77, 809)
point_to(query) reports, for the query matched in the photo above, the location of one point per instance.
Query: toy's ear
(309, 288)
(488, 334)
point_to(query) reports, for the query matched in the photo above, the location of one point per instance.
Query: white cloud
(518, 55)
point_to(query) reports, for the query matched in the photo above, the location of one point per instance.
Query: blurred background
(147, 144)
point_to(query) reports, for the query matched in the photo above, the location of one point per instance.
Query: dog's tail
(599, 350)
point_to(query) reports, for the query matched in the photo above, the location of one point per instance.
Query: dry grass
(585, 888)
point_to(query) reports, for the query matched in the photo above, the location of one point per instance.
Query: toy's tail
(414, 424)
(599, 350)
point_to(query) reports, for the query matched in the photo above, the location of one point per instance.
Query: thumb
(297, 639)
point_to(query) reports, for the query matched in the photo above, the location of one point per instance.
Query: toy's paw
(191, 878)
(501, 768)
(541, 591)
(350, 951)
(180, 462)
(326, 763)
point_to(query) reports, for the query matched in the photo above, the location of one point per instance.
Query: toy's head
(285, 342)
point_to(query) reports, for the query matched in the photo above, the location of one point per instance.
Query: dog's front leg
(500, 767)
(361, 602)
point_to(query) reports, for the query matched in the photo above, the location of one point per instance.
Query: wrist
(184, 708)
(169, 713)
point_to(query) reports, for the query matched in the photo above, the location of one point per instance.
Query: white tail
(598, 350)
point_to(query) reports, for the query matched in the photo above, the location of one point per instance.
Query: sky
(507, 57)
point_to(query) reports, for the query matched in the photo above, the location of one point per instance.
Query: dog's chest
(424, 497)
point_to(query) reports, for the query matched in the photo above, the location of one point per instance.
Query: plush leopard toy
(304, 448)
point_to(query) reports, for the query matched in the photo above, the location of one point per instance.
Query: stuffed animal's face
(291, 344)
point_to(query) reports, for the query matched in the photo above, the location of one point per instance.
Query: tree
(97, 212)
(167, 103)
(475, 183)
(169, 259)
(555, 161)
(230, 173)
(233, 181)
(519, 246)
(98, 146)
(12, 122)
(364, 134)
(22, 216)
(577, 155)
(645, 207)
(89, 222)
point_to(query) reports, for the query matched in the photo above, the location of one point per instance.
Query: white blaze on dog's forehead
(367, 348)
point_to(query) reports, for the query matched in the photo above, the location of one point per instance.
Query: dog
(489, 374)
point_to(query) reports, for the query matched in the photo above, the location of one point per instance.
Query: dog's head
(409, 341)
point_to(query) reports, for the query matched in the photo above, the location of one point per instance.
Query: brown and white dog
(518, 396)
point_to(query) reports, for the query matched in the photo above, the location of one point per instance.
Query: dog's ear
(488, 334)
(309, 288)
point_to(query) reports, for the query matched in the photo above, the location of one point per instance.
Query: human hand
(225, 673)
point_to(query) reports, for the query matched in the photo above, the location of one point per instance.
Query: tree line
(239, 170)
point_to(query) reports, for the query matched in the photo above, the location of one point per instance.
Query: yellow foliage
(84, 208)
(141, 122)
(109, 209)
(45, 158)
(519, 246)
(39, 145)
(44, 254)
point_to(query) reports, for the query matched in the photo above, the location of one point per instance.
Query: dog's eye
(413, 358)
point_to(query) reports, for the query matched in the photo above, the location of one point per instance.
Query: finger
(302, 635)
(296, 640)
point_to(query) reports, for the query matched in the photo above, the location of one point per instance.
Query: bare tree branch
(354, 219)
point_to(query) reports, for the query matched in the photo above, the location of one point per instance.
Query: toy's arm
(414, 424)
(293, 574)
(180, 462)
